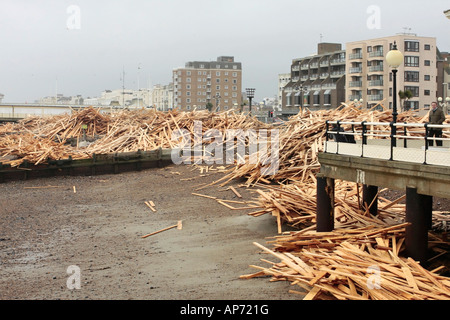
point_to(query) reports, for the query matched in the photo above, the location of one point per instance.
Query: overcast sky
(80, 47)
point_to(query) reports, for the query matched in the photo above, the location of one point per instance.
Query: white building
(283, 80)
(162, 97)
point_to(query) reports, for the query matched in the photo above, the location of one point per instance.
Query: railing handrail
(393, 134)
(397, 124)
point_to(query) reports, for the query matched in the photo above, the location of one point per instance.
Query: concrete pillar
(428, 210)
(370, 196)
(416, 242)
(325, 204)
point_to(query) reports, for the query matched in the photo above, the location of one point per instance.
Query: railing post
(364, 138)
(426, 144)
(326, 135)
(337, 135)
(405, 141)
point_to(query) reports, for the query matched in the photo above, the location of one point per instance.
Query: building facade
(317, 81)
(216, 85)
(162, 97)
(283, 80)
(369, 77)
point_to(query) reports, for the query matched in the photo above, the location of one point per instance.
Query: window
(289, 99)
(427, 63)
(427, 92)
(411, 61)
(234, 74)
(411, 46)
(427, 77)
(188, 73)
(411, 76)
(414, 90)
(427, 47)
(218, 73)
(327, 99)
(316, 98)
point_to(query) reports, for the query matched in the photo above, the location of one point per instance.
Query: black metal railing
(350, 132)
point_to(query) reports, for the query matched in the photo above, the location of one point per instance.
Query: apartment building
(369, 77)
(216, 85)
(317, 81)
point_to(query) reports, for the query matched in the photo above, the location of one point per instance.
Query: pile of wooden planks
(352, 264)
(56, 137)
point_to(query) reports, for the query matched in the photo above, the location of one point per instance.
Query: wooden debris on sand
(359, 264)
(37, 139)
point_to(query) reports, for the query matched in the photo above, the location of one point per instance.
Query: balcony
(376, 83)
(355, 70)
(375, 97)
(337, 74)
(314, 76)
(324, 63)
(314, 65)
(355, 56)
(296, 68)
(337, 61)
(329, 86)
(355, 84)
(354, 97)
(304, 66)
(378, 53)
(324, 75)
(378, 68)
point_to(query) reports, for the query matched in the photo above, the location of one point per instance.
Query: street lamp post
(394, 58)
(444, 105)
(250, 95)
